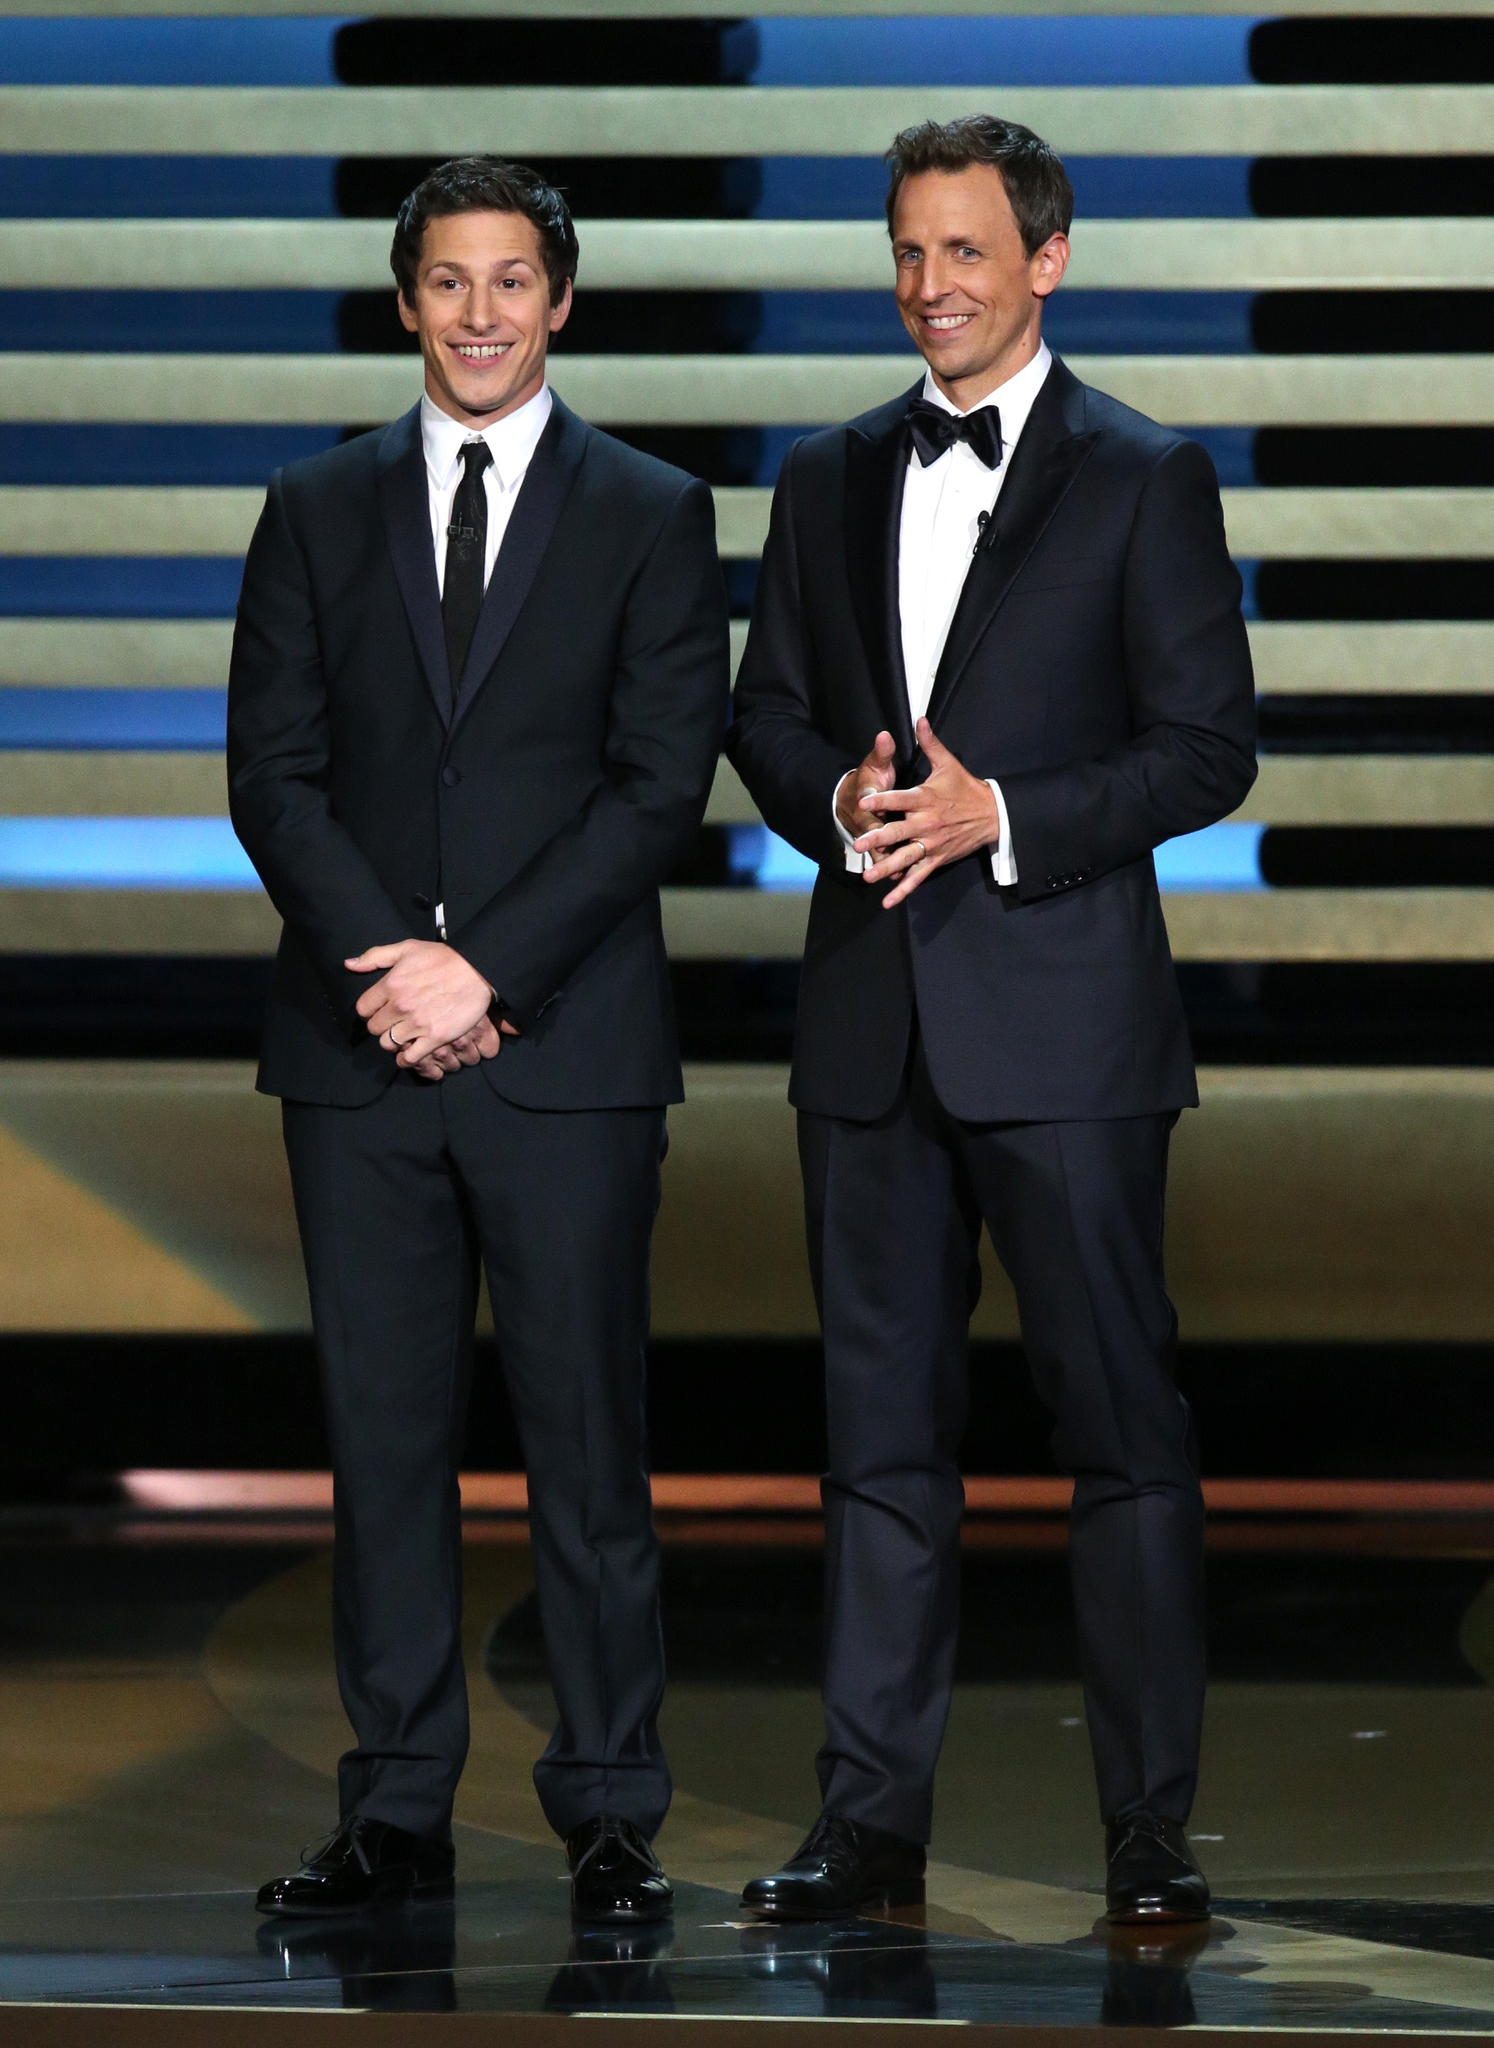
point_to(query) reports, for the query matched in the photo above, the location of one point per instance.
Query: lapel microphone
(988, 535)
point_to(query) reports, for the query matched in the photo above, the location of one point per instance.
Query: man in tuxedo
(996, 658)
(478, 688)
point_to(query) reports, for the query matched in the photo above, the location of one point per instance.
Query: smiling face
(970, 295)
(483, 313)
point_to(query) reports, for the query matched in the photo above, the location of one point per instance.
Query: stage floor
(169, 1726)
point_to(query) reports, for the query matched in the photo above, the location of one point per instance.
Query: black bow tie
(933, 431)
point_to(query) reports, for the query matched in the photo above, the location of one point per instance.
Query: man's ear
(408, 318)
(559, 314)
(1049, 265)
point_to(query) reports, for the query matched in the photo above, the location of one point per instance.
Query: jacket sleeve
(1190, 759)
(665, 719)
(279, 770)
(775, 741)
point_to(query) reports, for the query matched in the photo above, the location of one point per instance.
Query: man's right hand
(483, 1042)
(878, 771)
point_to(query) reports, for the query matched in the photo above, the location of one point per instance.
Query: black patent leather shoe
(840, 1867)
(616, 1879)
(1151, 1873)
(366, 1863)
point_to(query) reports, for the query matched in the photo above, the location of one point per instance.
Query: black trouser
(396, 1201)
(1075, 1213)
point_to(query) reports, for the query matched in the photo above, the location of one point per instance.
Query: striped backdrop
(1284, 243)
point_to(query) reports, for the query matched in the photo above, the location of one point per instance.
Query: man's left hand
(943, 819)
(427, 997)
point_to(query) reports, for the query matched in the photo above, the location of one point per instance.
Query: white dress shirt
(511, 443)
(944, 509)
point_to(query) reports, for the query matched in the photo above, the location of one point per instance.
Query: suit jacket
(541, 796)
(1097, 665)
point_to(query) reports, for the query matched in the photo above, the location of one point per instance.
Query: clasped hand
(917, 830)
(429, 1007)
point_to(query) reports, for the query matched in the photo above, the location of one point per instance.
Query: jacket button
(451, 776)
(421, 902)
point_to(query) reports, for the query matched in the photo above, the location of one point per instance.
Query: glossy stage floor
(169, 1726)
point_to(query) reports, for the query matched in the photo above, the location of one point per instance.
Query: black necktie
(933, 430)
(466, 545)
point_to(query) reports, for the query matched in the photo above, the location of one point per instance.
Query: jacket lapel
(546, 486)
(405, 504)
(876, 470)
(1047, 458)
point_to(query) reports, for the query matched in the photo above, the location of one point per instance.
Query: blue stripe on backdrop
(1006, 50)
(741, 588)
(133, 853)
(1038, 50)
(187, 322)
(167, 187)
(790, 188)
(47, 452)
(202, 853)
(1081, 322)
(34, 452)
(1231, 449)
(179, 719)
(119, 586)
(185, 51)
(1223, 856)
(831, 322)
(1116, 187)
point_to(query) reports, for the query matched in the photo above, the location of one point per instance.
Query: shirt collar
(1015, 398)
(511, 440)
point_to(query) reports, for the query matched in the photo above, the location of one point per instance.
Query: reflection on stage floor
(169, 1725)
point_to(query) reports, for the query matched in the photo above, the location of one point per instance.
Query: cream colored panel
(1346, 524)
(741, 521)
(156, 520)
(743, 390)
(191, 1159)
(1245, 120)
(728, 924)
(1304, 789)
(207, 922)
(730, 804)
(126, 654)
(1373, 789)
(734, 924)
(1454, 657)
(1342, 1203)
(1331, 924)
(1286, 524)
(69, 1261)
(667, 255)
(97, 784)
(1349, 658)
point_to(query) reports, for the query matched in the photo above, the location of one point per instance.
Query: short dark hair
(1031, 170)
(485, 184)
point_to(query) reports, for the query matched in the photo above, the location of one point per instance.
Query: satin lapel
(1048, 457)
(546, 486)
(405, 504)
(876, 469)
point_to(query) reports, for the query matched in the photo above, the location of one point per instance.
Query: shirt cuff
(1003, 856)
(856, 863)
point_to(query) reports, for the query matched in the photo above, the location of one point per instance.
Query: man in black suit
(996, 658)
(478, 687)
